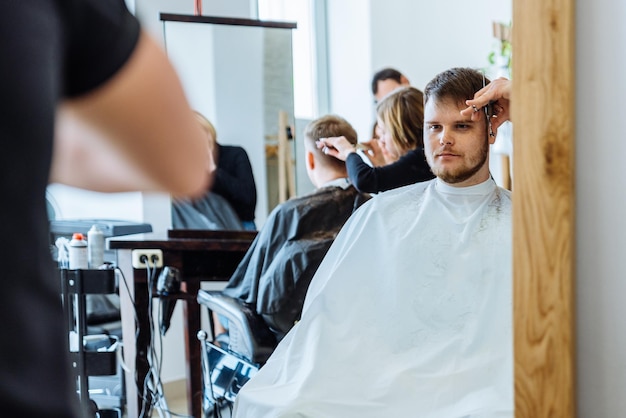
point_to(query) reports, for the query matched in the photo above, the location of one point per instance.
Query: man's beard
(461, 174)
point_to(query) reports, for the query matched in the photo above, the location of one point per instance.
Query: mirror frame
(258, 58)
(543, 114)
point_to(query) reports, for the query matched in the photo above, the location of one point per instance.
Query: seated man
(410, 312)
(276, 271)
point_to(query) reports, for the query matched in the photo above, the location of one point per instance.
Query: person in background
(274, 275)
(425, 329)
(82, 78)
(233, 179)
(213, 211)
(400, 121)
(383, 82)
(387, 80)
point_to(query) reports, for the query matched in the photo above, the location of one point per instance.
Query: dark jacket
(275, 273)
(235, 182)
(410, 168)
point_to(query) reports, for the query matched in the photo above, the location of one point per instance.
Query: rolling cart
(90, 355)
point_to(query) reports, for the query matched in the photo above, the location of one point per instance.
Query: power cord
(155, 359)
(151, 389)
(152, 383)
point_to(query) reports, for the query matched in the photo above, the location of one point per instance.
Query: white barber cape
(409, 315)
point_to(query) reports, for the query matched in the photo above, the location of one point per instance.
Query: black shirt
(410, 168)
(51, 49)
(234, 181)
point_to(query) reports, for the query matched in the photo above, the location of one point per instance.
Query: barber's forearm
(142, 111)
(361, 175)
(83, 158)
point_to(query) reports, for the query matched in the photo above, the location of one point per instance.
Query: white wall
(600, 208)
(349, 62)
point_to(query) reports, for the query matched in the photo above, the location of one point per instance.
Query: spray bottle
(78, 252)
(95, 245)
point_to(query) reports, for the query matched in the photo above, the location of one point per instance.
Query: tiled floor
(176, 396)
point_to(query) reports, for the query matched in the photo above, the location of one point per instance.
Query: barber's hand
(498, 92)
(375, 153)
(338, 146)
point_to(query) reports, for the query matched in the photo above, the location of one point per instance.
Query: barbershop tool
(488, 111)
(168, 284)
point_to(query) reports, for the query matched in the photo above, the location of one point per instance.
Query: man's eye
(433, 127)
(462, 126)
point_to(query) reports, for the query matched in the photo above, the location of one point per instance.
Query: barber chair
(227, 367)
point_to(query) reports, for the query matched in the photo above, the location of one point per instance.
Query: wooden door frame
(543, 110)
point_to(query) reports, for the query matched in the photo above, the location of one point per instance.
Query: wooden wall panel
(543, 207)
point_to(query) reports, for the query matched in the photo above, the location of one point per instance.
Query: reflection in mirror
(231, 201)
(238, 73)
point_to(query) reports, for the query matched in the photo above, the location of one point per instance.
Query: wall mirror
(239, 74)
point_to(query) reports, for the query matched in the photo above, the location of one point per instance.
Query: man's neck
(323, 180)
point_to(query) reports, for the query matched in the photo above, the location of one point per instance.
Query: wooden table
(200, 256)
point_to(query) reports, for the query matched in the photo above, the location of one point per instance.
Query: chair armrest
(249, 335)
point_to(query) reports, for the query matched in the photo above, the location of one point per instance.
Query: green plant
(503, 47)
(504, 51)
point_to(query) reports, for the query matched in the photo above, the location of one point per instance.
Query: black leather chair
(229, 362)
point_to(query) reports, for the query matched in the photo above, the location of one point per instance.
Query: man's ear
(310, 160)
(404, 81)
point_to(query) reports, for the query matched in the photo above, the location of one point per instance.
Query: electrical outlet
(140, 263)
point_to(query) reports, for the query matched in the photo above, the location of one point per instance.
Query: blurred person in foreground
(92, 102)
